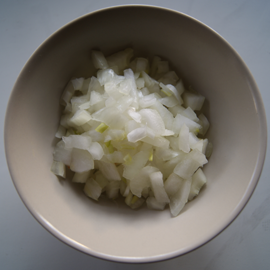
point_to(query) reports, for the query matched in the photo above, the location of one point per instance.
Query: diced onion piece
(173, 184)
(168, 133)
(140, 83)
(190, 164)
(113, 87)
(141, 180)
(127, 159)
(128, 73)
(85, 86)
(67, 94)
(111, 116)
(137, 134)
(101, 180)
(141, 64)
(85, 106)
(124, 188)
(92, 189)
(96, 150)
(198, 180)
(169, 78)
(169, 101)
(61, 131)
(154, 204)
(58, 168)
(112, 189)
(180, 198)
(166, 154)
(94, 85)
(99, 60)
(136, 202)
(180, 120)
(147, 101)
(189, 113)
(77, 141)
(81, 161)
(209, 150)
(105, 76)
(138, 162)
(166, 92)
(134, 115)
(115, 157)
(205, 124)
(193, 139)
(168, 167)
(77, 83)
(200, 145)
(95, 97)
(128, 199)
(81, 117)
(153, 120)
(156, 180)
(157, 141)
(165, 114)
(180, 87)
(101, 128)
(174, 91)
(120, 59)
(117, 134)
(184, 139)
(149, 82)
(109, 170)
(176, 109)
(62, 154)
(194, 101)
(81, 177)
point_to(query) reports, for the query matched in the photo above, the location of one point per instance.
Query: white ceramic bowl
(107, 230)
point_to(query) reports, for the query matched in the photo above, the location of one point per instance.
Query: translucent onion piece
(198, 180)
(194, 101)
(184, 139)
(81, 177)
(81, 117)
(96, 150)
(156, 180)
(77, 83)
(92, 189)
(180, 198)
(154, 204)
(109, 170)
(81, 161)
(99, 60)
(59, 168)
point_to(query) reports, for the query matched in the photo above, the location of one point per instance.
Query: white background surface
(24, 244)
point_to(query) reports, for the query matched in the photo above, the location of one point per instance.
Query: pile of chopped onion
(133, 130)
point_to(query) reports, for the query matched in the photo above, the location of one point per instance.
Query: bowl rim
(240, 206)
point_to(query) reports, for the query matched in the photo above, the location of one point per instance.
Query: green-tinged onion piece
(134, 199)
(167, 93)
(110, 147)
(101, 128)
(151, 155)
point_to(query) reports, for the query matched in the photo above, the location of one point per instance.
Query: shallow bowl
(204, 60)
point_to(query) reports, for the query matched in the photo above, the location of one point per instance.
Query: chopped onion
(125, 132)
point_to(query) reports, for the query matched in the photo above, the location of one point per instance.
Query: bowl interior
(110, 230)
